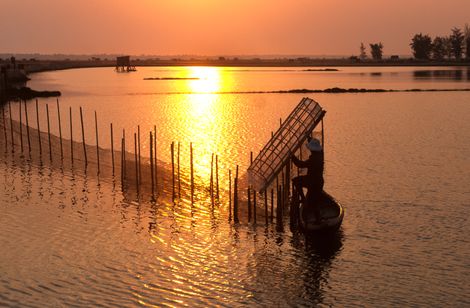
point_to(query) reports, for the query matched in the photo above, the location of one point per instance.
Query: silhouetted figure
(313, 180)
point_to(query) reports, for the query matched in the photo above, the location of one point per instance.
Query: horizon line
(269, 56)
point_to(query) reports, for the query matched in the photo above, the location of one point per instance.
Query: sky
(222, 27)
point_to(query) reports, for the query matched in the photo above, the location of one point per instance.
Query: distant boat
(331, 213)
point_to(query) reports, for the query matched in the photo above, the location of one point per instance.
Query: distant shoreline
(36, 66)
(32, 66)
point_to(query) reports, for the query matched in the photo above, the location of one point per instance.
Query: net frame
(288, 139)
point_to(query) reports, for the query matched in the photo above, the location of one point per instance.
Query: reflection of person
(313, 180)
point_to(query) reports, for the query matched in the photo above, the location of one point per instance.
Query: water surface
(398, 162)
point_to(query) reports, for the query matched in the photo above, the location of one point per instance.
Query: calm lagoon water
(398, 162)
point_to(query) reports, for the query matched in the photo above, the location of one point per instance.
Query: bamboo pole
(235, 198)
(248, 193)
(71, 134)
(5, 129)
(297, 168)
(172, 150)
(179, 178)
(49, 132)
(254, 206)
(112, 147)
(136, 164)
(151, 165)
(278, 207)
(217, 176)
(97, 143)
(211, 187)
(283, 188)
(229, 195)
(27, 126)
(281, 209)
(122, 163)
(277, 180)
(39, 129)
(138, 139)
(21, 130)
(272, 205)
(122, 160)
(11, 129)
(266, 206)
(283, 196)
(83, 137)
(192, 171)
(322, 136)
(60, 131)
(287, 183)
(155, 154)
(124, 153)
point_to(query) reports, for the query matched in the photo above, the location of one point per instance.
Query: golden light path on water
(203, 112)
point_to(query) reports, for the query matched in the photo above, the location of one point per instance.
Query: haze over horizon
(210, 28)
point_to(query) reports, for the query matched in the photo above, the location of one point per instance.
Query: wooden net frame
(287, 139)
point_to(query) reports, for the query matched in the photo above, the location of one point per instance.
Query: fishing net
(287, 139)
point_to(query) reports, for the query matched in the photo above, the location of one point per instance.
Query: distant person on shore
(313, 180)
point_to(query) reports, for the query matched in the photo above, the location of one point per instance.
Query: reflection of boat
(331, 213)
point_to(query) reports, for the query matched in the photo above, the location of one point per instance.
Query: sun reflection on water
(204, 114)
(209, 79)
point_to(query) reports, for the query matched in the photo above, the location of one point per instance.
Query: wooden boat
(331, 213)
(275, 157)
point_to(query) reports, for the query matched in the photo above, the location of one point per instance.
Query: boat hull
(331, 212)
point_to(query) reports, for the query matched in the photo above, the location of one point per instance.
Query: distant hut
(123, 64)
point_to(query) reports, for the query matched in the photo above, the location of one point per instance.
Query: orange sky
(222, 27)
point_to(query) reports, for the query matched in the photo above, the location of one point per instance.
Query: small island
(172, 78)
(13, 79)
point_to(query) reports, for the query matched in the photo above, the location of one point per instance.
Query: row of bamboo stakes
(280, 191)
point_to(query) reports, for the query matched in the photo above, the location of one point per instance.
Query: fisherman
(313, 180)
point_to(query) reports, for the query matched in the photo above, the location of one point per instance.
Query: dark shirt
(314, 165)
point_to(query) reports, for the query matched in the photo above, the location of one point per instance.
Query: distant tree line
(376, 51)
(454, 46)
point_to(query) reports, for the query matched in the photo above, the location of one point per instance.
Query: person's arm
(299, 163)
